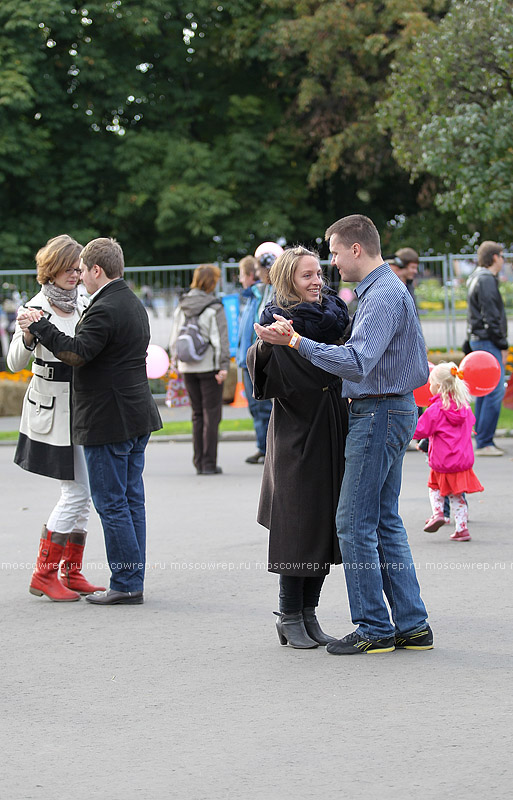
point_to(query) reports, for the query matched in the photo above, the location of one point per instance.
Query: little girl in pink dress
(448, 422)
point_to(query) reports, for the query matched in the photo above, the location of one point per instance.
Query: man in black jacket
(487, 329)
(113, 410)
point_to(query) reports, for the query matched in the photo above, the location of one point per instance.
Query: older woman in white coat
(44, 445)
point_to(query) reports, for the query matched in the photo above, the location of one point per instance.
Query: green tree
(192, 132)
(67, 76)
(338, 54)
(449, 109)
(139, 120)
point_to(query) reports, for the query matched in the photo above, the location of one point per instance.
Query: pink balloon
(268, 247)
(481, 372)
(157, 361)
(347, 295)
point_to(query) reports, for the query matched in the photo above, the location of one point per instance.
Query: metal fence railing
(160, 288)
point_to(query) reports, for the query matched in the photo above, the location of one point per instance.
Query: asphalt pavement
(191, 696)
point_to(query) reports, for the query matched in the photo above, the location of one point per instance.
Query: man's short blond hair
(105, 253)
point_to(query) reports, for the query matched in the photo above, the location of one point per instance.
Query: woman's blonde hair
(205, 277)
(282, 272)
(59, 253)
(451, 386)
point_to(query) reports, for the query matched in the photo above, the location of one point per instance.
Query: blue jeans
(488, 408)
(260, 410)
(373, 542)
(117, 490)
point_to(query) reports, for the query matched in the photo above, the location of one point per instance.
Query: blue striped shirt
(386, 353)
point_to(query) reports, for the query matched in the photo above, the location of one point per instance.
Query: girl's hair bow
(457, 373)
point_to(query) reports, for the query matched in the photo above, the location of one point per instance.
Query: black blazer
(112, 401)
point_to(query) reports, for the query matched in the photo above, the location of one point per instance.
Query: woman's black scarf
(322, 322)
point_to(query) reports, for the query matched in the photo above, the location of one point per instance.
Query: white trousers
(72, 511)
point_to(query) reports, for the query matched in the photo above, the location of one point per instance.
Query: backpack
(190, 344)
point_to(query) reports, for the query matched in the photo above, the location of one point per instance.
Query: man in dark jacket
(487, 329)
(113, 410)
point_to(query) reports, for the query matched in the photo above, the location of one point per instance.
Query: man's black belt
(378, 396)
(54, 371)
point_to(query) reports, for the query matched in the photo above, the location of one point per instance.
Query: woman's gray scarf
(65, 299)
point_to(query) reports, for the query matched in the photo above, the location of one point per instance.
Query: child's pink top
(449, 431)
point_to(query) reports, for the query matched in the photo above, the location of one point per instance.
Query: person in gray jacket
(204, 378)
(487, 329)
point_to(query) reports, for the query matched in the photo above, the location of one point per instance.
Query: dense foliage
(193, 131)
(449, 109)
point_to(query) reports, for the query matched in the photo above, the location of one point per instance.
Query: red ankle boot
(71, 575)
(45, 578)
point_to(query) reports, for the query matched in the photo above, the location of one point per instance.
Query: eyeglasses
(71, 270)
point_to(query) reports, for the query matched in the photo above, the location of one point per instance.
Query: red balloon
(423, 394)
(481, 372)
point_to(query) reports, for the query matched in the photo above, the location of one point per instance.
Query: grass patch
(174, 428)
(169, 429)
(506, 419)
(7, 436)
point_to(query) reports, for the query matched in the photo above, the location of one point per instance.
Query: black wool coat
(304, 462)
(111, 398)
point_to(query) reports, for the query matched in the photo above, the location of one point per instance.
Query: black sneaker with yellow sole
(420, 640)
(353, 645)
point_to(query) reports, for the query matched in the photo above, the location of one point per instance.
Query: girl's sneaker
(434, 522)
(461, 536)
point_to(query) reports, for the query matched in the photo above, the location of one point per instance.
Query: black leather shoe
(216, 471)
(112, 598)
(256, 458)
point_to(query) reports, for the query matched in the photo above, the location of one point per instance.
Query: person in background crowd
(265, 263)
(204, 378)
(405, 264)
(45, 446)
(487, 329)
(260, 410)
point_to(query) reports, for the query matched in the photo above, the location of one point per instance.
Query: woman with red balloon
(448, 422)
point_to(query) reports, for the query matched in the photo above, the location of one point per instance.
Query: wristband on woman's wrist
(294, 339)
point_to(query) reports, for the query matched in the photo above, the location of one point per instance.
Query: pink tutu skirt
(455, 482)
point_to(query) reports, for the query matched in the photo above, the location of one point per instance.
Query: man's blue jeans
(115, 477)
(373, 542)
(488, 408)
(260, 410)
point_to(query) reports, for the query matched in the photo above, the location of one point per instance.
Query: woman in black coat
(305, 444)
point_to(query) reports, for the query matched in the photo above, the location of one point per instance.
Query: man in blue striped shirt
(383, 361)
